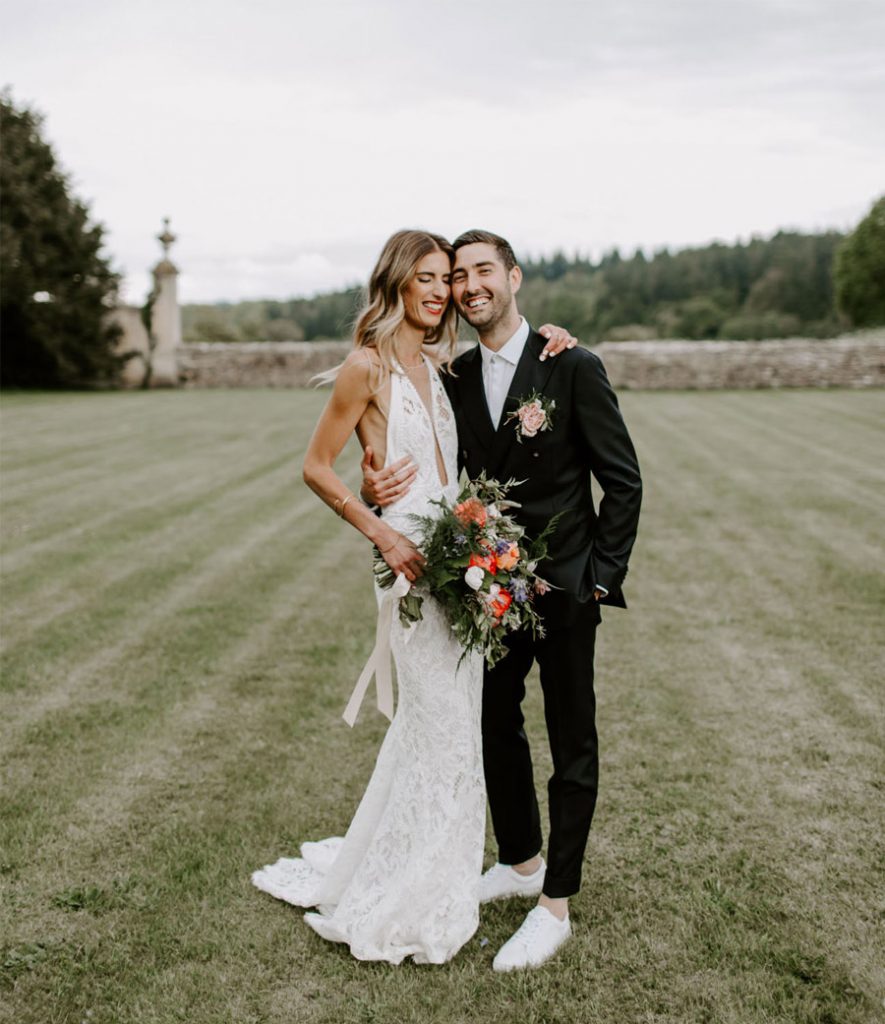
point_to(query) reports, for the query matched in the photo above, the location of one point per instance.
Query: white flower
(473, 577)
(493, 512)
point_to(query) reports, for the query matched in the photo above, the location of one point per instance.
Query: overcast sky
(287, 140)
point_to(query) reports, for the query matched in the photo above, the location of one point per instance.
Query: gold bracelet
(392, 546)
(340, 504)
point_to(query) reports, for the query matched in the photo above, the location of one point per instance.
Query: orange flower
(501, 603)
(487, 562)
(508, 559)
(470, 511)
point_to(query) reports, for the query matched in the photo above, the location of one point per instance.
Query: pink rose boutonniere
(534, 414)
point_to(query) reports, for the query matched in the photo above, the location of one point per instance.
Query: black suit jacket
(588, 435)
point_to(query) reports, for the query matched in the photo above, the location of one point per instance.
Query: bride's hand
(403, 557)
(558, 339)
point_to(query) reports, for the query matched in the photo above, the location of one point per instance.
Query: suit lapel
(531, 375)
(474, 405)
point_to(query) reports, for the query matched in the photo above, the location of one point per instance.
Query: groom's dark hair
(502, 246)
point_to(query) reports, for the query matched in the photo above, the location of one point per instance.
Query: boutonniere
(534, 414)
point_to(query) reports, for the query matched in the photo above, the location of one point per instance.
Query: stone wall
(134, 338)
(706, 365)
(851, 362)
(257, 364)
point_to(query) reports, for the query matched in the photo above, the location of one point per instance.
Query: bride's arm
(350, 399)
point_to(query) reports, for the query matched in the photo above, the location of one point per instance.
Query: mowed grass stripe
(850, 470)
(858, 414)
(731, 867)
(146, 544)
(115, 775)
(77, 574)
(209, 773)
(718, 670)
(765, 828)
(36, 423)
(135, 623)
(74, 455)
(774, 488)
(43, 527)
(807, 418)
(788, 590)
(753, 430)
(178, 423)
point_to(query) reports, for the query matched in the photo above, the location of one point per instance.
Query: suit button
(535, 455)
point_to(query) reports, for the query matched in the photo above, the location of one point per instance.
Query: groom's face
(483, 289)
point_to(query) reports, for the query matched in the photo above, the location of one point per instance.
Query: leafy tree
(696, 318)
(283, 329)
(210, 325)
(763, 288)
(859, 270)
(57, 288)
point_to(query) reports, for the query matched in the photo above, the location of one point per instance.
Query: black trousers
(565, 659)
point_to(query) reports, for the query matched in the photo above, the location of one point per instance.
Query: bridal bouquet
(480, 567)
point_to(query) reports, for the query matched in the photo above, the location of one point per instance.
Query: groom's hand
(558, 339)
(384, 486)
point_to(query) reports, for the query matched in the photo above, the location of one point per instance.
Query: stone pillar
(165, 317)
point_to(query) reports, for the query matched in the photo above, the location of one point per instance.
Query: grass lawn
(183, 622)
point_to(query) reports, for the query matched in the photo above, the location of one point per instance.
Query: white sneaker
(534, 942)
(501, 881)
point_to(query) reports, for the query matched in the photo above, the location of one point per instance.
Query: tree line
(765, 288)
(57, 284)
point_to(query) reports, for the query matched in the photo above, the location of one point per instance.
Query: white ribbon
(379, 660)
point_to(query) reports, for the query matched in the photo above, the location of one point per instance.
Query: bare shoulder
(365, 357)
(358, 375)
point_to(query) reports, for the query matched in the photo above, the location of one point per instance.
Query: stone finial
(166, 266)
(167, 238)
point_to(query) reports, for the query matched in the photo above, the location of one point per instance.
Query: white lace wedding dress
(404, 881)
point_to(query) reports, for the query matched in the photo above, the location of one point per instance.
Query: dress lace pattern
(404, 881)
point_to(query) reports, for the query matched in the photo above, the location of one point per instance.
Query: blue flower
(519, 591)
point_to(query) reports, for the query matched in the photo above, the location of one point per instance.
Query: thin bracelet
(392, 546)
(339, 511)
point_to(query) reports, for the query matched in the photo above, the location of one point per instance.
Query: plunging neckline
(430, 412)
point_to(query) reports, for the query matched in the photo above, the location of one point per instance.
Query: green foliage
(323, 316)
(859, 270)
(210, 324)
(57, 287)
(770, 288)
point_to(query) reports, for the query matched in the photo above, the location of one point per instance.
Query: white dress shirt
(499, 367)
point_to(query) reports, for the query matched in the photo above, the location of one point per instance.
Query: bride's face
(428, 291)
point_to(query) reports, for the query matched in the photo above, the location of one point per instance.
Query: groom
(583, 434)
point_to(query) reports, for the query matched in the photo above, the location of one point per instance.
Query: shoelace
(529, 926)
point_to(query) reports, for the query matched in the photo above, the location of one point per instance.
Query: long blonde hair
(383, 309)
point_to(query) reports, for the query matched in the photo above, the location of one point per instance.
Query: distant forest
(766, 288)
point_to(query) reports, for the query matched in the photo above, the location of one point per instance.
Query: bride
(404, 881)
